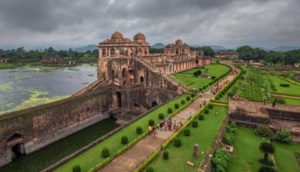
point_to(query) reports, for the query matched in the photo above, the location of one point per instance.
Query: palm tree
(266, 148)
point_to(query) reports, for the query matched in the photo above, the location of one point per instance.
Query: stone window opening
(104, 52)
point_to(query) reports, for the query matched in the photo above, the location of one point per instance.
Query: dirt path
(131, 158)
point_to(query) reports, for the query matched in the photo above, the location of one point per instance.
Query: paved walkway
(131, 158)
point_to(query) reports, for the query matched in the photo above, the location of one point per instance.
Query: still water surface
(29, 86)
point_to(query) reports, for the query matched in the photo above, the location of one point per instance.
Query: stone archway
(16, 144)
(141, 80)
(154, 103)
(131, 76)
(119, 99)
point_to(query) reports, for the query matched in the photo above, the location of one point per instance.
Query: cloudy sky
(75, 23)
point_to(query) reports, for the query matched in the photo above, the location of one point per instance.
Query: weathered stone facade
(130, 82)
(25, 131)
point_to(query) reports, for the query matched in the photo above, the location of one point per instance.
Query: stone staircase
(93, 86)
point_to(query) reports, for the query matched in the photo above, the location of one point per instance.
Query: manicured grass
(285, 158)
(246, 156)
(41, 159)
(290, 101)
(92, 157)
(203, 135)
(252, 87)
(293, 89)
(188, 79)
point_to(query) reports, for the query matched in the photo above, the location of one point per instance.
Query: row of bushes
(105, 153)
(228, 86)
(220, 160)
(282, 136)
(230, 132)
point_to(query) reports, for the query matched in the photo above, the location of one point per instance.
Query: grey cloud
(66, 23)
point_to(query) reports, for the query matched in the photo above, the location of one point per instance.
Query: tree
(284, 136)
(274, 57)
(246, 52)
(264, 131)
(266, 148)
(259, 54)
(208, 51)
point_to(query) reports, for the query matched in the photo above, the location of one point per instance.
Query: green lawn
(204, 135)
(252, 87)
(189, 80)
(290, 101)
(246, 156)
(92, 156)
(285, 158)
(44, 157)
(293, 89)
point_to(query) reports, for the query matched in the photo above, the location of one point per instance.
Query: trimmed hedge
(170, 110)
(76, 168)
(161, 116)
(151, 122)
(105, 153)
(187, 132)
(195, 124)
(206, 111)
(201, 117)
(176, 105)
(139, 130)
(177, 143)
(124, 140)
(165, 155)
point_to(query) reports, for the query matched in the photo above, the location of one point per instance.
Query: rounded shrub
(139, 130)
(176, 106)
(124, 140)
(76, 168)
(193, 95)
(206, 111)
(188, 98)
(266, 169)
(177, 143)
(170, 110)
(201, 117)
(195, 124)
(200, 89)
(150, 169)
(166, 155)
(151, 122)
(182, 102)
(210, 106)
(187, 132)
(105, 153)
(161, 116)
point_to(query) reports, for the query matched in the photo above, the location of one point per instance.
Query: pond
(25, 87)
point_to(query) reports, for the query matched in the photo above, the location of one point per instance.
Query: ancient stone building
(130, 82)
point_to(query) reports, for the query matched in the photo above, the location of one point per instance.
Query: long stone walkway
(131, 158)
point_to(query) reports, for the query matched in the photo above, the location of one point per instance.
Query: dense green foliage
(264, 131)
(105, 153)
(248, 53)
(220, 160)
(20, 55)
(284, 136)
(166, 155)
(76, 168)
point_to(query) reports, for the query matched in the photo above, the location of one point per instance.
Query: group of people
(166, 124)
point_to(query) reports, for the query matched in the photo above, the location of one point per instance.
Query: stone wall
(34, 128)
(285, 115)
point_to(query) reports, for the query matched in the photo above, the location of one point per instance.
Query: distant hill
(286, 48)
(214, 47)
(85, 48)
(158, 45)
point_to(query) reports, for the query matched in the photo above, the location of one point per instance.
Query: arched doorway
(142, 80)
(119, 99)
(154, 103)
(131, 77)
(124, 72)
(15, 142)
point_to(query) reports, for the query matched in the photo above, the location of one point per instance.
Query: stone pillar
(196, 151)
